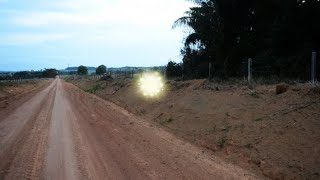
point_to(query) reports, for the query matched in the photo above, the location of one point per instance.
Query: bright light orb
(151, 84)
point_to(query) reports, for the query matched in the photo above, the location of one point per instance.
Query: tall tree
(82, 70)
(101, 69)
(50, 73)
(226, 32)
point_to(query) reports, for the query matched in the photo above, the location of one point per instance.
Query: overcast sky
(38, 34)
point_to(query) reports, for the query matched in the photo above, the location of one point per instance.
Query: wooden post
(249, 70)
(313, 68)
(210, 66)
(182, 69)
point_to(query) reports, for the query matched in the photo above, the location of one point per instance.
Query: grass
(15, 82)
(211, 130)
(257, 119)
(166, 121)
(254, 94)
(248, 146)
(94, 88)
(221, 141)
(226, 127)
(67, 79)
(241, 126)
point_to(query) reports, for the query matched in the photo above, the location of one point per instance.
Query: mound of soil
(11, 91)
(282, 88)
(273, 136)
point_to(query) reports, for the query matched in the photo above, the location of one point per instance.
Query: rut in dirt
(64, 133)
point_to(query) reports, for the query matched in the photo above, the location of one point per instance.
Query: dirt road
(64, 133)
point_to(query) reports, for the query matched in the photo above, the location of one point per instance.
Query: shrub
(282, 88)
(94, 88)
(82, 70)
(101, 70)
(174, 69)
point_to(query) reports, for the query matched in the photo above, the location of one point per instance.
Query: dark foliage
(27, 75)
(82, 70)
(278, 35)
(173, 69)
(49, 73)
(101, 70)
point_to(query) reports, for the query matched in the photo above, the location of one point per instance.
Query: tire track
(30, 158)
(27, 158)
(61, 160)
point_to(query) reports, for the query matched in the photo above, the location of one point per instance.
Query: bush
(94, 88)
(82, 70)
(282, 88)
(173, 69)
(101, 70)
(49, 73)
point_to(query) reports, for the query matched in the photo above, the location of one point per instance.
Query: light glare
(151, 84)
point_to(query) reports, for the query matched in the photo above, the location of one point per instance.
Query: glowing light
(151, 84)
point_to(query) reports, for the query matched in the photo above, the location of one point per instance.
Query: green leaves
(227, 32)
(101, 70)
(82, 70)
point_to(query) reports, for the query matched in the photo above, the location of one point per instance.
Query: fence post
(210, 66)
(313, 67)
(182, 69)
(249, 70)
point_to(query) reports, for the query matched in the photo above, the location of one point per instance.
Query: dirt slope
(63, 133)
(14, 93)
(276, 136)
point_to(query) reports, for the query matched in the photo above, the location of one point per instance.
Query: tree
(227, 32)
(101, 70)
(173, 69)
(82, 70)
(49, 73)
(22, 75)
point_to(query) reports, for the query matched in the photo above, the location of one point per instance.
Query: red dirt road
(63, 133)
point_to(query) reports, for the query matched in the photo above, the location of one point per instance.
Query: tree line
(50, 73)
(47, 73)
(278, 35)
(100, 70)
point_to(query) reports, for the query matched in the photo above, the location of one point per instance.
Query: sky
(42, 34)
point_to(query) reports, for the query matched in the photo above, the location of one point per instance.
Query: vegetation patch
(94, 88)
(257, 119)
(211, 130)
(166, 121)
(254, 94)
(226, 127)
(248, 146)
(282, 88)
(221, 141)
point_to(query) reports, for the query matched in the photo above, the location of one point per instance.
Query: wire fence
(255, 69)
(115, 74)
(22, 80)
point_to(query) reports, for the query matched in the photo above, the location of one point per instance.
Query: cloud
(115, 32)
(98, 21)
(56, 18)
(17, 39)
(99, 12)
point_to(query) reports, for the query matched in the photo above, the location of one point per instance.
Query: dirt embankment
(274, 135)
(13, 93)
